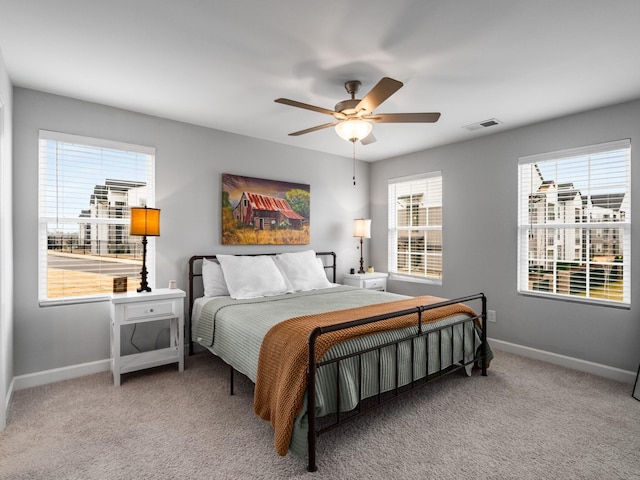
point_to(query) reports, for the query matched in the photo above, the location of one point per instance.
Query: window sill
(574, 299)
(58, 302)
(410, 279)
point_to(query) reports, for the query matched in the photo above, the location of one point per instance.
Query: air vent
(484, 124)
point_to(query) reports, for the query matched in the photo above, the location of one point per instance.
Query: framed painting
(256, 211)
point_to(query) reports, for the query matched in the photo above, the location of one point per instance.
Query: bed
(321, 354)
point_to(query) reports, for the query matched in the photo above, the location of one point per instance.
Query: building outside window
(415, 228)
(86, 189)
(583, 256)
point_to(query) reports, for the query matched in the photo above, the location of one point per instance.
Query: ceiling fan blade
(313, 129)
(403, 117)
(368, 139)
(378, 94)
(306, 106)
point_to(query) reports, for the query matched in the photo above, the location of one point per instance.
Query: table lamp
(146, 222)
(362, 229)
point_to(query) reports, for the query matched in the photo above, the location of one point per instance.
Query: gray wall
(480, 198)
(189, 164)
(480, 237)
(6, 245)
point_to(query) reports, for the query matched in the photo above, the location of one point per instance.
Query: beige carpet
(526, 420)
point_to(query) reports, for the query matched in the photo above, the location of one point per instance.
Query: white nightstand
(132, 307)
(370, 281)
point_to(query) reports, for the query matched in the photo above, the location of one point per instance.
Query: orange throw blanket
(282, 364)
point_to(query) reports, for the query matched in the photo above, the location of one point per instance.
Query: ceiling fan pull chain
(354, 163)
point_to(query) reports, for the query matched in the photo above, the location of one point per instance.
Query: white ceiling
(221, 63)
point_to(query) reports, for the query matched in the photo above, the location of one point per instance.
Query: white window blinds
(415, 227)
(574, 223)
(86, 187)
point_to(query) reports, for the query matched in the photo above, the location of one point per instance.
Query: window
(86, 188)
(588, 259)
(415, 228)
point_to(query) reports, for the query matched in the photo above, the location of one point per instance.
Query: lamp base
(144, 286)
(361, 259)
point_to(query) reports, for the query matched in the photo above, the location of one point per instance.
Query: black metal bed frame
(316, 427)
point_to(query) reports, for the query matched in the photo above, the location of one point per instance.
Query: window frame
(45, 218)
(393, 228)
(586, 227)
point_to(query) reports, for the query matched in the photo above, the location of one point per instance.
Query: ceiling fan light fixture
(354, 129)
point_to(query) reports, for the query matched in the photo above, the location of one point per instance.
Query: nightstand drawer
(374, 283)
(148, 310)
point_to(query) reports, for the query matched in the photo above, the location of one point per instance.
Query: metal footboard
(383, 396)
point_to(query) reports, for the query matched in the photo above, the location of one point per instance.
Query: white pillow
(213, 279)
(302, 270)
(251, 277)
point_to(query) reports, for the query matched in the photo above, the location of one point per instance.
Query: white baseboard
(12, 387)
(613, 373)
(58, 374)
(4, 417)
(73, 371)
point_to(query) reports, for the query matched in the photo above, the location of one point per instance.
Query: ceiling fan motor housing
(348, 107)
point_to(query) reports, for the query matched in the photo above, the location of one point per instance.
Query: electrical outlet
(491, 315)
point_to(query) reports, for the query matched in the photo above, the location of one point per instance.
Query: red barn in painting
(265, 212)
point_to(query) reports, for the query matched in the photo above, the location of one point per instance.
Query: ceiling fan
(354, 117)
